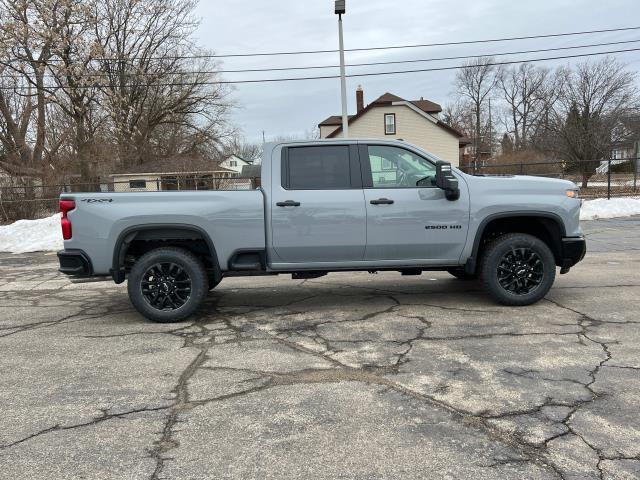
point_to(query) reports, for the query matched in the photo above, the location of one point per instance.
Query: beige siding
(324, 130)
(411, 127)
(121, 183)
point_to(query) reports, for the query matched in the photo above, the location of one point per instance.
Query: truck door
(408, 217)
(317, 205)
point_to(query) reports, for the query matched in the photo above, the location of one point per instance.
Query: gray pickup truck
(326, 206)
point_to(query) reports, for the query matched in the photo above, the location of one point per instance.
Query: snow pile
(32, 235)
(603, 208)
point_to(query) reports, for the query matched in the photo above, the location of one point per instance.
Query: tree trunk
(585, 180)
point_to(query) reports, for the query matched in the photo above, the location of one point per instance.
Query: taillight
(65, 207)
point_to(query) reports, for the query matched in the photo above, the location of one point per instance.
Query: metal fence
(615, 177)
(26, 198)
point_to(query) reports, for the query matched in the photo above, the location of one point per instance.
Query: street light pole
(340, 10)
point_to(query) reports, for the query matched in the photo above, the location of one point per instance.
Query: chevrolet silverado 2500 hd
(324, 206)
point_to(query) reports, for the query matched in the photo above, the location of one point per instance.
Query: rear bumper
(573, 250)
(75, 263)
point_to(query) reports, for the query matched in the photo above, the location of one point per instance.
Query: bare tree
(249, 151)
(73, 89)
(594, 100)
(459, 114)
(150, 85)
(475, 82)
(526, 91)
(27, 34)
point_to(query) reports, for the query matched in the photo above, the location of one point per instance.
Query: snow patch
(603, 208)
(44, 234)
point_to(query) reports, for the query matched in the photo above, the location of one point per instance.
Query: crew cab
(325, 206)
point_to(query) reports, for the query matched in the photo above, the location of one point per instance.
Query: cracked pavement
(347, 376)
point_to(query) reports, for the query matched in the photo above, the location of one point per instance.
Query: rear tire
(517, 269)
(167, 284)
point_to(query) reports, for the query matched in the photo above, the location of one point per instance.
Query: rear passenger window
(323, 167)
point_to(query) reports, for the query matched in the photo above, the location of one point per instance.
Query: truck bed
(233, 219)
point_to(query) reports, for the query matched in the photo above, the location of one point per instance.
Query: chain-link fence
(615, 177)
(26, 198)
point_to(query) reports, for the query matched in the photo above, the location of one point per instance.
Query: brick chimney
(359, 99)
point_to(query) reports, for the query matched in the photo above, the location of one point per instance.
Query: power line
(389, 47)
(392, 62)
(326, 77)
(441, 44)
(436, 59)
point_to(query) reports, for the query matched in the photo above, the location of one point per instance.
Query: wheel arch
(163, 232)
(547, 226)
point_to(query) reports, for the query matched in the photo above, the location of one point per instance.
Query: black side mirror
(447, 181)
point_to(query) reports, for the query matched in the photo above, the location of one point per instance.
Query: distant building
(172, 173)
(234, 162)
(389, 116)
(625, 139)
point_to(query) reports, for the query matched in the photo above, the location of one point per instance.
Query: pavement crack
(104, 417)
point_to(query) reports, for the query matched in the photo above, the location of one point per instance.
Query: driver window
(393, 167)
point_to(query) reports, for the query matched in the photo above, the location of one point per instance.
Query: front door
(408, 217)
(318, 214)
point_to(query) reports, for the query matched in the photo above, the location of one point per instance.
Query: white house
(389, 116)
(174, 173)
(234, 162)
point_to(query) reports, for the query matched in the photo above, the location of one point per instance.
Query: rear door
(408, 217)
(317, 209)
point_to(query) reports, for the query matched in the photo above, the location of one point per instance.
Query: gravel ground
(347, 376)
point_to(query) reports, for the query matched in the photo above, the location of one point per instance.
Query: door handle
(381, 201)
(288, 203)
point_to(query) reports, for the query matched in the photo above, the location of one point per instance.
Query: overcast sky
(293, 108)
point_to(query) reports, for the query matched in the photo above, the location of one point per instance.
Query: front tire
(167, 284)
(517, 269)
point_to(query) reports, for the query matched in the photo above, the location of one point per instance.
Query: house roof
(237, 157)
(186, 164)
(250, 171)
(427, 106)
(332, 120)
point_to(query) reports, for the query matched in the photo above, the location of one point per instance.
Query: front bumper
(75, 263)
(573, 250)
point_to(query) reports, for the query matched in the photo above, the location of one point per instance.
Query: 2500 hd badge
(443, 227)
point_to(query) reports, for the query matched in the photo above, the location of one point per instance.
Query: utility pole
(263, 140)
(490, 132)
(340, 10)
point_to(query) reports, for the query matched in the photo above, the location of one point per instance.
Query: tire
(517, 269)
(460, 274)
(167, 284)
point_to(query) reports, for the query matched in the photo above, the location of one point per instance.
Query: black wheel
(460, 274)
(518, 269)
(167, 284)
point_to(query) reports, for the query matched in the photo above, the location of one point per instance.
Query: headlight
(573, 193)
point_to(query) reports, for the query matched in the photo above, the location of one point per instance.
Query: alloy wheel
(166, 286)
(520, 271)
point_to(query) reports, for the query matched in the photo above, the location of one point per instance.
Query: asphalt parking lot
(351, 376)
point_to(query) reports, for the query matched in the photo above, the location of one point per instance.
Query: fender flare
(127, 235)
(470, 265)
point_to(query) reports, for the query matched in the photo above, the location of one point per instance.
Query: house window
(137, 184)
(389, 123)
(233, 163)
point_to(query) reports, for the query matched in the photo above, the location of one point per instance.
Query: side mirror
(446, 180)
